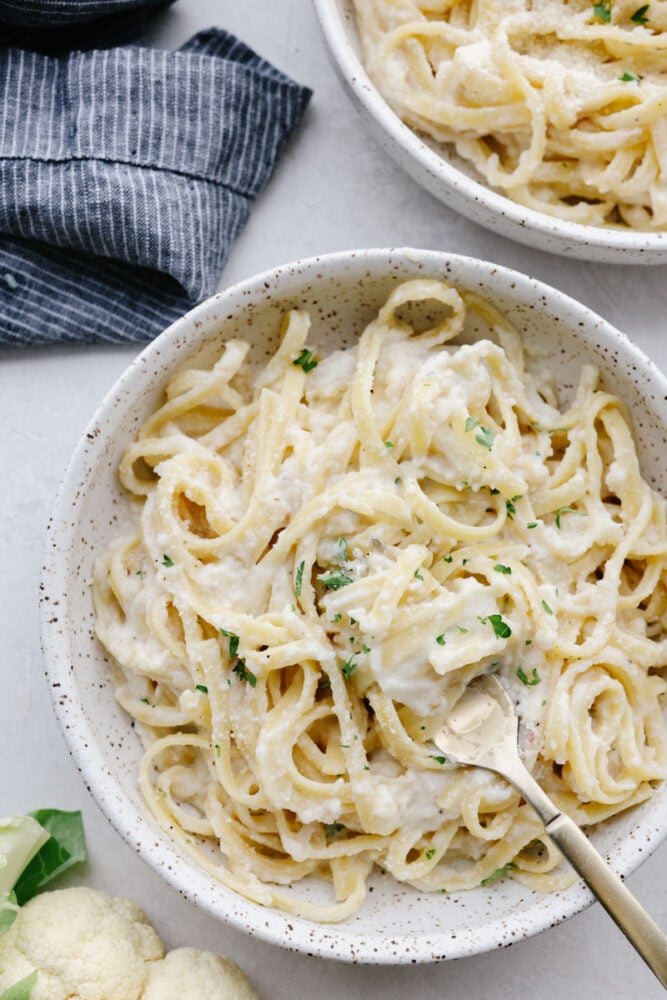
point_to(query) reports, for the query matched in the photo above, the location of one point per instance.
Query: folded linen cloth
(125, 176)
(56, 12)
(56, 27)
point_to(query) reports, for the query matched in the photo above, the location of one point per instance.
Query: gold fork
(482, 730)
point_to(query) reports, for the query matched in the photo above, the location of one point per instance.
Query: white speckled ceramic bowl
(342, 291)
(447, 176)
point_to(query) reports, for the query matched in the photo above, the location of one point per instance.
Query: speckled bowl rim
(463, 193)
(138, 829)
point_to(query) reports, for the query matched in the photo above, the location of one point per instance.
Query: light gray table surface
(334, 190)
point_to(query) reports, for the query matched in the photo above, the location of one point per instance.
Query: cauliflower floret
(86, 945)
(189, 974)
(20, 839)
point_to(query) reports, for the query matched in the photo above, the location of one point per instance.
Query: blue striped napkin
(55, 12)
(125, 175)
(56, 27)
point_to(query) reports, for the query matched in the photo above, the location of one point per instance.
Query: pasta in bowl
(544, 121)
(328, 539)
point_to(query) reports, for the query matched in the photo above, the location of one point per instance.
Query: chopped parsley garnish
(298, 582)
(493, 491)
(365, 649)
(389, 444)
(244, 674)
(546, 607)
(430, 853)
(336, 618)
(305, 361)
(485, 436)
(500, 627)
(498, 873)
(217, 750)
(336, 580)
(166, 561)
(417, 575)
(439, 760)
(348, 668)
(447, 559)
(510, 505)
(233, 642)
(567, 510)
(332, 830)
(528, 681)
(603, 11)
(325, 682)
(341, 549)
(471, 423)
(145, 701)
(441, 639)
(532, 524)
(639, 16)
(202, 688)
(630, 77)
(499, 568)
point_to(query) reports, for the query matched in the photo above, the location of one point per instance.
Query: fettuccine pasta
(559, 104)
(327, 549)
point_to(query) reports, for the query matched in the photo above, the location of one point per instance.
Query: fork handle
(642, 932)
